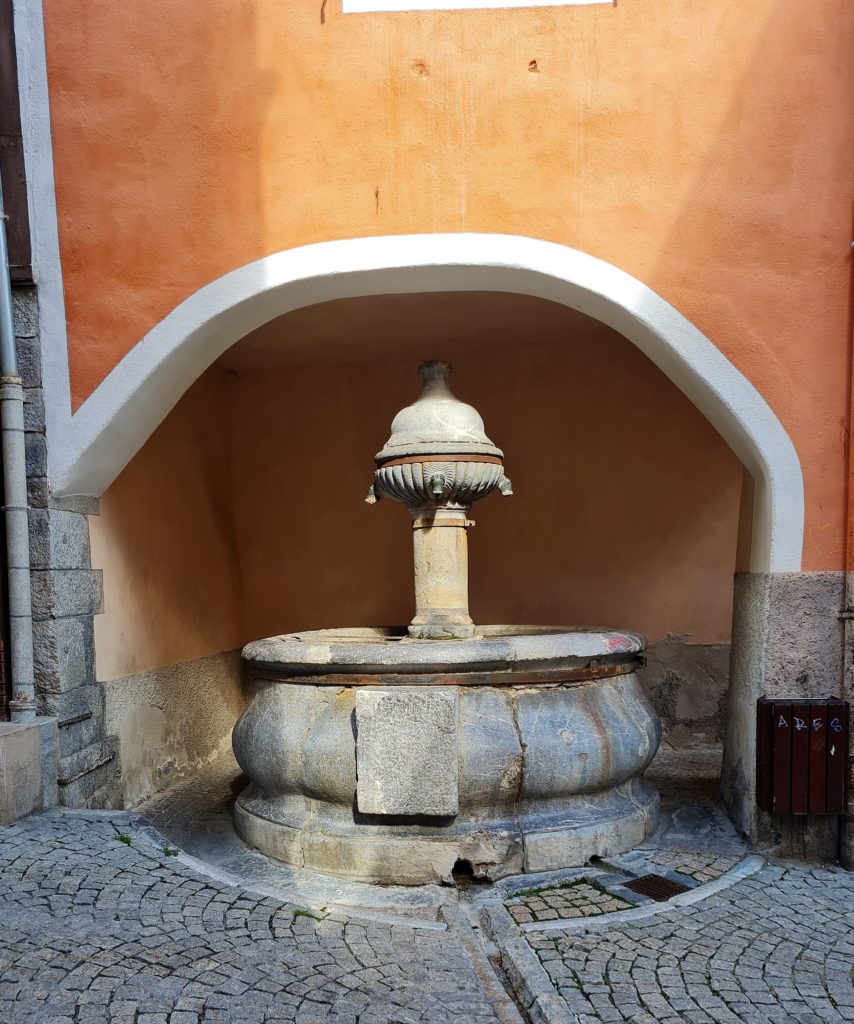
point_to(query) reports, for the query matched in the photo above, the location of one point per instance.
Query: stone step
(87, 770)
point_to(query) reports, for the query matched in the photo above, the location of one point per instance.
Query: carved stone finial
(438, 462)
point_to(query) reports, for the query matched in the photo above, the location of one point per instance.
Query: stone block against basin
(406, 751)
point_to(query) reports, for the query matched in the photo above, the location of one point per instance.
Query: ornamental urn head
(438, 454)
(438, 462)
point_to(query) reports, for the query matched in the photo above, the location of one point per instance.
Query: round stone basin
(385, 759)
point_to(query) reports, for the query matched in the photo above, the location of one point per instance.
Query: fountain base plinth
(383, 759)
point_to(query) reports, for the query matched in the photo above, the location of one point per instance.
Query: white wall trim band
(364, 6)
(41, 200)
(116, 420)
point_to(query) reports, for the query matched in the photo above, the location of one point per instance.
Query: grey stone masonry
(422, 722)
(688, 685)
(787, 642)
(67, 593)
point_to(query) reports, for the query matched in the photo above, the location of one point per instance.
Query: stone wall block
(46, 657)
(67, 704)
(87, 772)
(29, 362)
(33, 410)
(58, 540)
(50, 761)
(406, 751)
(83, 504)
(39, 538)
(20, 774)
(25, 311)
(67, 592)
(108, 795)
(37, 492)
(35, 455)
(77, 735)
(64, 654)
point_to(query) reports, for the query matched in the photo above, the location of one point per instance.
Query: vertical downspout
(846, 831)
(23, 703)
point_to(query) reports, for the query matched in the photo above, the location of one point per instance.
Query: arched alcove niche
(127, 408)
(114, 422)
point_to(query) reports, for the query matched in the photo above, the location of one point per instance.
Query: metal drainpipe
(846, 831)
(23, 703)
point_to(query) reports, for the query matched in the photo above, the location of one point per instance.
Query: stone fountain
(406, 755)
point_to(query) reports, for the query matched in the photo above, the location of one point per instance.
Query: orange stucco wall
(243, 516)
(166, 542)
(703, 147)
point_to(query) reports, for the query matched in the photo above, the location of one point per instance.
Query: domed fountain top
(438, 462)
(437, 422)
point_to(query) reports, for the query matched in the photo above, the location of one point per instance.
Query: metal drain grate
(657, 887)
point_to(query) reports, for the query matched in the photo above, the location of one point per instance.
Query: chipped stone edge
(749, 866)
(526, 974)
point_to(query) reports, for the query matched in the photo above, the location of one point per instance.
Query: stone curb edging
(526, 974)
(467, 932)
(749, 866)
(152, 839)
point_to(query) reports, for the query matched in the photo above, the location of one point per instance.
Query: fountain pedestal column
(440, 548)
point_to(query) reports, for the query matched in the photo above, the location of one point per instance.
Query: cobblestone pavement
(574, 899)
(702, 867)
(103, 921)
(96, 928)
(775, 947)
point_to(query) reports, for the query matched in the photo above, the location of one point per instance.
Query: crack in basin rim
(495, 648)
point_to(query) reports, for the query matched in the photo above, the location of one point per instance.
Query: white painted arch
(115, 421)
